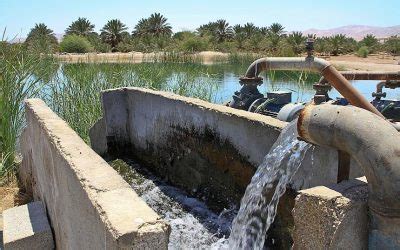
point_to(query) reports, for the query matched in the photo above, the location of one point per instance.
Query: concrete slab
(27, 227)
(334, 217)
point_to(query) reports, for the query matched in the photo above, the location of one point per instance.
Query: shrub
(98, 44)
(75, 44)
(125, 47)
(363, 51)
(194, 45)
(392, 45)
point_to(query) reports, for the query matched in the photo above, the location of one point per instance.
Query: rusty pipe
(374, 144)
(341, 84)
(367, 75)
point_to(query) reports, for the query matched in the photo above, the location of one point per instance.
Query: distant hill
(357, 31)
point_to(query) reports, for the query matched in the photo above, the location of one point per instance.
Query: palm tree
(392, 45)
(239, 36)
(141, 28)
(207, 29)
(81, 27)
(371, 42)
(223, 31)
(250, 29)
(158, 25)
(274, 34)
(113, 32)
(41, 30)
(296, 41)
(323, 45)
(264, 31)
(337, 42)
(276, 29)
(41, 38)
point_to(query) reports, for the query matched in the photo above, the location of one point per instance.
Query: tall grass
(21, 77)
(75, 91)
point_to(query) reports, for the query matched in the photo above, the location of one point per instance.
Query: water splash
(259, 203)
(193, 224)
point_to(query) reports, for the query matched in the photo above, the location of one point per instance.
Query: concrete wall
(89, 205)
(210, 150)
(197, 144)
(334, 217)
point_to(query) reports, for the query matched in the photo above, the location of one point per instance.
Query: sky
(19, 16)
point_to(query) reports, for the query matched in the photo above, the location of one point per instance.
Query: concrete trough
(207, 149)
(88, 203)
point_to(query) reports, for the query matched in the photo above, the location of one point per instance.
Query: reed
(75, 91)
(22, 76)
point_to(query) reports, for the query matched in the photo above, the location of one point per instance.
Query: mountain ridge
(357, 31)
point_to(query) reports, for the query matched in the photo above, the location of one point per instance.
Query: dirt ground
(371, 63)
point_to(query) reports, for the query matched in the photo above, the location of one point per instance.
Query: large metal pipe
(374, 144)
(341, 84)
(367, 75)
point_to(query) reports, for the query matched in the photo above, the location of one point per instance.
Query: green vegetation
(72, 90)
(80, 27)
(21, 76)
(154, 34)
(75, 44)
(392, 45)
(41, 39)
(363, 51)
(113, 33)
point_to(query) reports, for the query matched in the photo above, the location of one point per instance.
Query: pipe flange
(250, 80)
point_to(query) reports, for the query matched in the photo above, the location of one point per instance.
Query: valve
(321, 94)
(310, 45)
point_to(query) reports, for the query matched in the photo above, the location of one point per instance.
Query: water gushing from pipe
(259, 203)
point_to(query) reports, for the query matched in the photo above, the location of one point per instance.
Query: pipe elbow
(312, 64)
(371, 140)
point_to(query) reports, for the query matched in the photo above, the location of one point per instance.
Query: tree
(155, 25)
(113, 33)
(207, 29)
(323, 45)
(392, 45)
(296, 41)
(250, 29)
(274, 35)
(222, 30)
(81, 27)
(371, 42)
(276, 29)
(239, 36)
(142, 27)
(41, 39)
(158, 25)
(337, 44)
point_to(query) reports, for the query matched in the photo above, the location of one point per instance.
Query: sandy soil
(11, 196)
(379, 62)
(371, 63)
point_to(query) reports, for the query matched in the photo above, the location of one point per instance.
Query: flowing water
(193, 224)
(259, 203)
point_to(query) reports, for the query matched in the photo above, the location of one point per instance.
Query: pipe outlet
(374, 144)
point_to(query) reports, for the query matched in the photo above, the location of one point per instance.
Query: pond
(73, 89)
